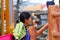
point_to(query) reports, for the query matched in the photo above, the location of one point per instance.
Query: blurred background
(38, 9)
(11, 9)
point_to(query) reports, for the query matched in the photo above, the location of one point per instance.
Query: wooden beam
(54, 21)
(59, 3)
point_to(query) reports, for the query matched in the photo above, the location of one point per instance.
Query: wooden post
(6, 20)
(7, 17)
(59, 3)
(0, 16)
(54, 23)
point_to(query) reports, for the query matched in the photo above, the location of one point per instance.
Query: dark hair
(24, 15)
(50, 3)
(17, 21)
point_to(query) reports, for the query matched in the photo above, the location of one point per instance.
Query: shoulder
(32, 30)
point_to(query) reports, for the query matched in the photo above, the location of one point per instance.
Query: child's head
(25, 17)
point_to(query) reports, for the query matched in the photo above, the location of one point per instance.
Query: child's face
(28, 21)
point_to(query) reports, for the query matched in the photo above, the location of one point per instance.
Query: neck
(26, 25)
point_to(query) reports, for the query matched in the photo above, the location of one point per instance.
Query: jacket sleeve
(15, 31)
